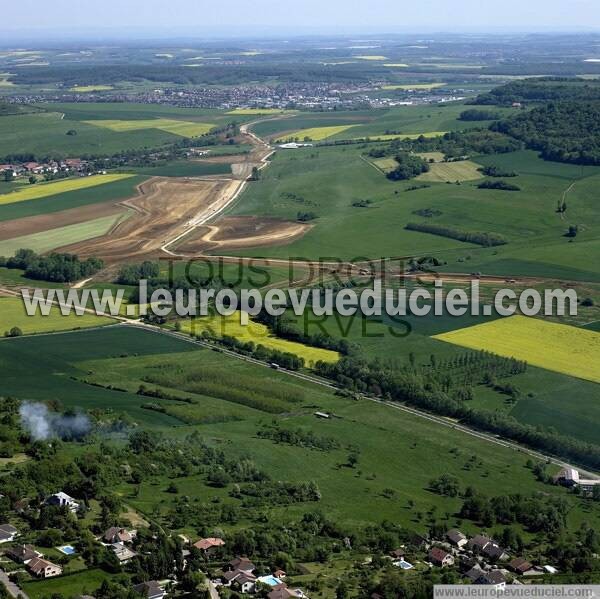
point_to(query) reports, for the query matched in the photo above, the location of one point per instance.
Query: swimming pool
(271, 580)
(67, 549)
(403, 564)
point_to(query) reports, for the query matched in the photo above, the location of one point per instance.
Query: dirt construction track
(165, 208)
(232, 232)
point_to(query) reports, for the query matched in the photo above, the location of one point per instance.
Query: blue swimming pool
(271, 580)
(67, 549)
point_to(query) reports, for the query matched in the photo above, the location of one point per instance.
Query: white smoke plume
(43, 424)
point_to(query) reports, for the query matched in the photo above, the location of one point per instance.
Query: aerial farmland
(191, 403)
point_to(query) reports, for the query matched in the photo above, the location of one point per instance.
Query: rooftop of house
(209, 543)
(242, 563)
(151, 588)
(38, 564)
(493, 577)
(437, 553)
(455, 536)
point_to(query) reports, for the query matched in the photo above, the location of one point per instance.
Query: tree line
(55, 267)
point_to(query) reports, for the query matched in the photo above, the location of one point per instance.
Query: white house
(7, 533)
(42, 568)
(63, 500)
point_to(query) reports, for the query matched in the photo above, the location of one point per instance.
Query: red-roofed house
(439, 557)
(209, 544)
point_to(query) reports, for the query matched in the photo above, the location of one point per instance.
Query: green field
(328, 180)
(56, 238)
(120, 189)
(43, 190)
(67, 586)
(542, 394)
(184, 168)
(12, 314)
(182, 128)
(463, 170)
(408, 86)
(390, 123)
(20, 133)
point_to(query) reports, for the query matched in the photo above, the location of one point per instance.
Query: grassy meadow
(442, 172)
(327, 181)
(12, 314)
(20, 133)
(60, 236)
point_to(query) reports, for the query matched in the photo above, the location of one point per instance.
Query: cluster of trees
(299, 437)
(131, 274)
(260, 352)
(484, 238)
(499, 184)
(475, 114)
(538, 513)
(497, 171)
(454, 144)
(541, 89)
(564, 131)
(286, 328)
(59, 268)
(409, 166)
(304, 217)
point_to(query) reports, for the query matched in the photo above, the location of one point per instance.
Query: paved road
(11, 587)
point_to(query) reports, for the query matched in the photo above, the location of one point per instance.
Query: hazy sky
(285, 17)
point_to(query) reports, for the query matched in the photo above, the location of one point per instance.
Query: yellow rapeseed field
(558, 347)
(319, 133)
(258, 111)
(91, 88)
(414, 86)
(43, 190)
(371, 57)
(183, 128)
(258, 333)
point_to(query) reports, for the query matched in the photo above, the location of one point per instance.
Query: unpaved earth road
(165, 209)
